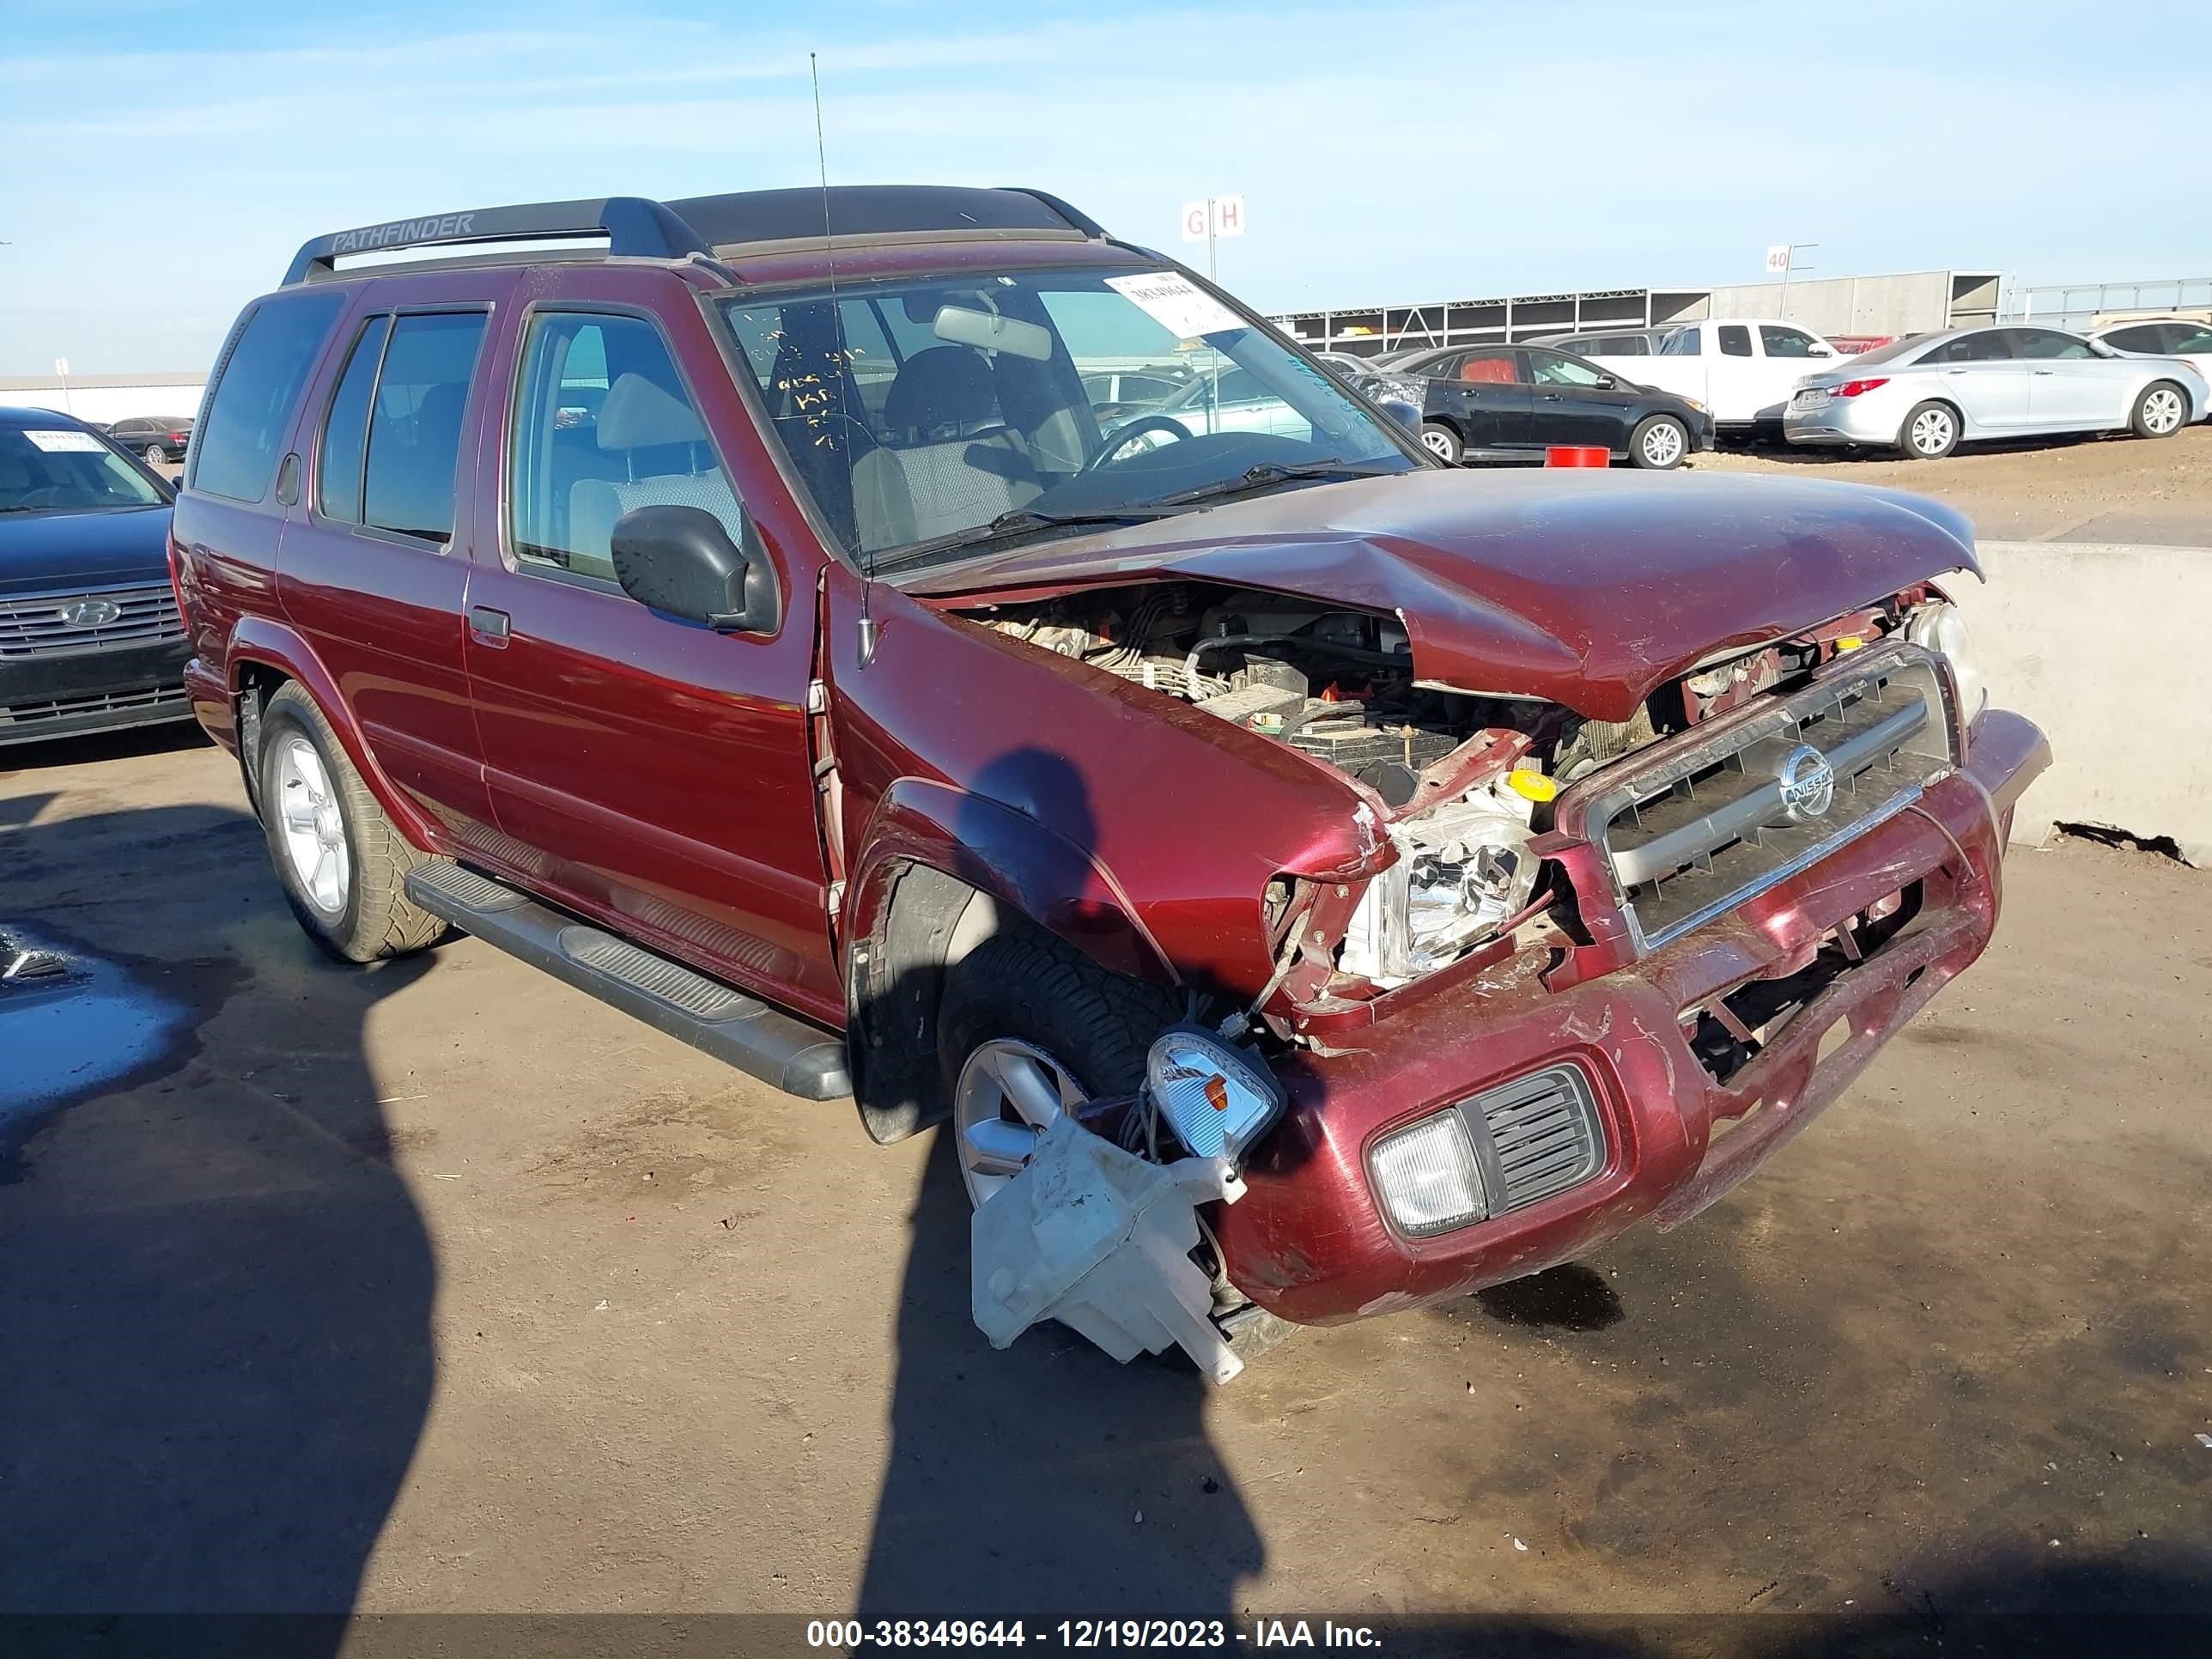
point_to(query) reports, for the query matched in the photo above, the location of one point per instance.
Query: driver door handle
(487, 626)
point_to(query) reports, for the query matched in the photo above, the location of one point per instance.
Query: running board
(741, 1030)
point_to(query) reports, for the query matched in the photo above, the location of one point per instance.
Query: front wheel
(1441, 441)
(338, 858)
(1659, 443)
(1929, 433)
(2161, 409)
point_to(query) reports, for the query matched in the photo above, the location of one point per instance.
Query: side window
(1682, 343)
(345, 428)
(2046, 343)
(569, 481)
(1488, 368)
(2188, 336)
(1987, 346)
(1550, 369)
(1735, 340)
(415, 423)
(1441, 368)
(236, 447)
(1784, 342)
(2144, 337)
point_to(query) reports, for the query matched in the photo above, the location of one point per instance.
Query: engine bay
(1337, 684)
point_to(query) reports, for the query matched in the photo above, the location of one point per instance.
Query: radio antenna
(843, 430)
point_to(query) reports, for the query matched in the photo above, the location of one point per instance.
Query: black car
(153, 438)
(1504, 403)
(89, 635)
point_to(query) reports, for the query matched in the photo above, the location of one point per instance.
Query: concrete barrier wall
(2107, 647)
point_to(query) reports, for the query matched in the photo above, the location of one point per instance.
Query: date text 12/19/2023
(879, 1634)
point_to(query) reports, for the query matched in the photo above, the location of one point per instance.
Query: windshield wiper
(1267, 474)
(1019, 521)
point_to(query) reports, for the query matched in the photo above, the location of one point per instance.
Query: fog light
(1426, 1176)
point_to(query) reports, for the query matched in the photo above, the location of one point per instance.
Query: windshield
(928, 416)
(63, 469)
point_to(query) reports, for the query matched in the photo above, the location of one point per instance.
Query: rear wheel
(155, 454)
(1929, 433)
(1441, 441)
(2161, 409)
(338, 858)
(1659, 442)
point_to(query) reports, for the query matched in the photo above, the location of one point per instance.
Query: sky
(160, 167)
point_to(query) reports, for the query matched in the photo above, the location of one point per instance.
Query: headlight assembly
(1938, 627)
(1462, 869)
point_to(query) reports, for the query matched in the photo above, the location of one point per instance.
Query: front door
(2070, 386)
(1574, 402)
(649, 771)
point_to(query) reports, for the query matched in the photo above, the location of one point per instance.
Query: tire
(1441, 441)
(1659, 443)
(1929, 433)
(338, 858)
(155, 454)
(2161, 409)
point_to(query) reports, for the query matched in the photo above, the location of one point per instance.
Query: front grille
(151, 701)
(1535, 1136)
(54, 622)
(1692, 827)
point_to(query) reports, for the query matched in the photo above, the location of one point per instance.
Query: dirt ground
(440, 1287)
(2065, 489)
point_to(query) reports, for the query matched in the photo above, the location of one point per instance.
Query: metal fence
(2082, 304)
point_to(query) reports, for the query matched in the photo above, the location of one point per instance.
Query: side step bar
(760, 1041)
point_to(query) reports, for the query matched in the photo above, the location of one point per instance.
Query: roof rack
(756, 220)
(634, 227)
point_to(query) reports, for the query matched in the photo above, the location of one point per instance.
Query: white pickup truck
(1742, 368)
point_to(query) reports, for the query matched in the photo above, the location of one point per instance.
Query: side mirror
(1606, 383)
(682, 561)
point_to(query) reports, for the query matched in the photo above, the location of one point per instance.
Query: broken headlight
(1462, 869)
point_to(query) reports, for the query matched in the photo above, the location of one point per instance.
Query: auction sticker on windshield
(59, 443)
(1176, 304)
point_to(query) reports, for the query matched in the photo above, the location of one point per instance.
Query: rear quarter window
(249, 409)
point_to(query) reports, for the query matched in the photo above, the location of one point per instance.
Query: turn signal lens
(1426, 1177)
(1853, 388)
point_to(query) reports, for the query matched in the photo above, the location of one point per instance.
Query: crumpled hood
(1591, 590)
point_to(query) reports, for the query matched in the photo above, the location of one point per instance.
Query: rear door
(1575, 402)
(376, 559)
(2070, 387)
(651, 772)
(1978, 372)
(1484, 393)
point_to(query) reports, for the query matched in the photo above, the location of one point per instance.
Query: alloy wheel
(1931, 431)
(1437, 444)
(1008, 1091)
(2162, 411)
(314, 828)
(1662, 444)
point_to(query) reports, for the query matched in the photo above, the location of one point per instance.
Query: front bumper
(99, 689)
(1308, 1240)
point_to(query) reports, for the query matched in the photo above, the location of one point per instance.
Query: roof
(715, 227)
(39, 417)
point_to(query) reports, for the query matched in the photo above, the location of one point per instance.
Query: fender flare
(262, 641)
(1003, 852)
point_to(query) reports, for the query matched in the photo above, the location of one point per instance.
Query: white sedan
(1926, 395)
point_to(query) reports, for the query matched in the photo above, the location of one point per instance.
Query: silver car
(1928, 393)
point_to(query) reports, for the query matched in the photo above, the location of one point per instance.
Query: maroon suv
(749, 618)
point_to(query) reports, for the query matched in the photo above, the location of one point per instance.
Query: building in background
(1907, 302)
(105, 398)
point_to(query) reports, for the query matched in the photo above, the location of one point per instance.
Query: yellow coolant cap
(1531, 785)
(1849, 643)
